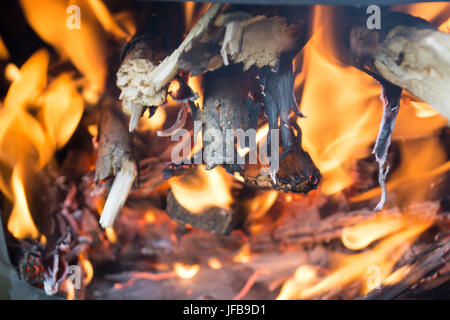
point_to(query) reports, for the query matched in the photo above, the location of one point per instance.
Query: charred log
(215, 219)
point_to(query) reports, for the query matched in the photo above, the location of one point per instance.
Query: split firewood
(144, 82)
(115, 159)
(423, 265)
(240, 37)
(406, 51)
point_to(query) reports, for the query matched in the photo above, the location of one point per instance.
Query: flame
(244, 255)
(202, 188)
(360, 236)
(87, 269)
(111, 235)
(196, 84)
(186, 271)
(37, 119)
(303, 277)
(155, 122)
(371, 267)
(4, 53)
(342, 124)
(189, 7)
(20, 223)
(62, 110)
(108, 22)
(445, 26)
(84, 46)
(12, 73)
(70, 289)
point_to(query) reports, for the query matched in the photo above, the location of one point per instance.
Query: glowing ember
(186, 271)
(214, 263)
(244, 254)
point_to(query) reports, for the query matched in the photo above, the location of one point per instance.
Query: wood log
(215, 219)
(115, 158)
(256, 38)
(224, 108)
(406, 51)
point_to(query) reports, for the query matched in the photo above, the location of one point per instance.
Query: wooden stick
(114, 158)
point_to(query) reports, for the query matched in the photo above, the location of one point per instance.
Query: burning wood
(145, 84)
(115, 158)
(215, 219)
(423, 265)
(407, 51)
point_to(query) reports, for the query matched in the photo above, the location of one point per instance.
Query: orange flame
(83, 44)
(371, 267)
(20, 223)
(202, 188)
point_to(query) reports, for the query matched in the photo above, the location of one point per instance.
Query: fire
(186, 271)
(203, 188)
(12, 73)
(360, 236)
(83, 44)
(28, 140)
(244, 254)
(111, 235)
(87, 269)
(155, 122)
(20, 223)
(189, 7)
(371, 267)
(108, 22)
(342, 124)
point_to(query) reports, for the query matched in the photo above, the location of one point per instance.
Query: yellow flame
(155, 122)
(244, 254)
(201, 188)
(371, 267)
(20, 223)
(107, 21)
(186, 271)
(363, 234)
(62, 110)
(87, 269)
(111, 235)
(84, 46)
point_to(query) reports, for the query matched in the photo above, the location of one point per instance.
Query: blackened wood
(215, 219)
